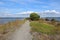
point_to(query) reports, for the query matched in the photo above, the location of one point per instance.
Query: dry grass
(45, 30)
(46, 26)
(10, 26)
(42, 27)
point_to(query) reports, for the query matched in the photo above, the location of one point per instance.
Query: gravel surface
(23, 33)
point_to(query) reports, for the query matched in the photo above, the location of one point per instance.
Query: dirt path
(23, 33)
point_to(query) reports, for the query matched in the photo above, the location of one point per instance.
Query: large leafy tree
(34, 16)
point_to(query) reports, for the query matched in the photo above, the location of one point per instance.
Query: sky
(22, 8)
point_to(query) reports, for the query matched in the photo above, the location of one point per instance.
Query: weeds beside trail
(42, 30)
(42, 27)
(10, 27)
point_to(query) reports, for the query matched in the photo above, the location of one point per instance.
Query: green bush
(34, 16)
(53, 19)
(47, 19)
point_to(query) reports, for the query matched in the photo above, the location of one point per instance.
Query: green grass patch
(42, 27)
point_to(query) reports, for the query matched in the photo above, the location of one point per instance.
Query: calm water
(5, 19)
(56, 18)
(8, 19)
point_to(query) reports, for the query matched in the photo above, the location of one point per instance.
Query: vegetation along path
(23, 33)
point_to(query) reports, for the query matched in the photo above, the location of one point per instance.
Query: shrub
(52, 19)
(47, 19)
(53, 22)
(34, 16)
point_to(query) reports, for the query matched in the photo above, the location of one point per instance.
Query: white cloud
(21, 14)
(52, 11)
(27, 12)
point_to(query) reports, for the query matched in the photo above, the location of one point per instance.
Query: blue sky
(24, 7)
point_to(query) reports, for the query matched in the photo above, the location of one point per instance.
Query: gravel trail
(23, 33)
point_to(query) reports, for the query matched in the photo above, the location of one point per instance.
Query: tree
(53, 19)
(47, 19)
(34, 16)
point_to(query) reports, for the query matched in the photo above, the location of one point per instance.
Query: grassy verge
(42, 27)
(10, 26)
